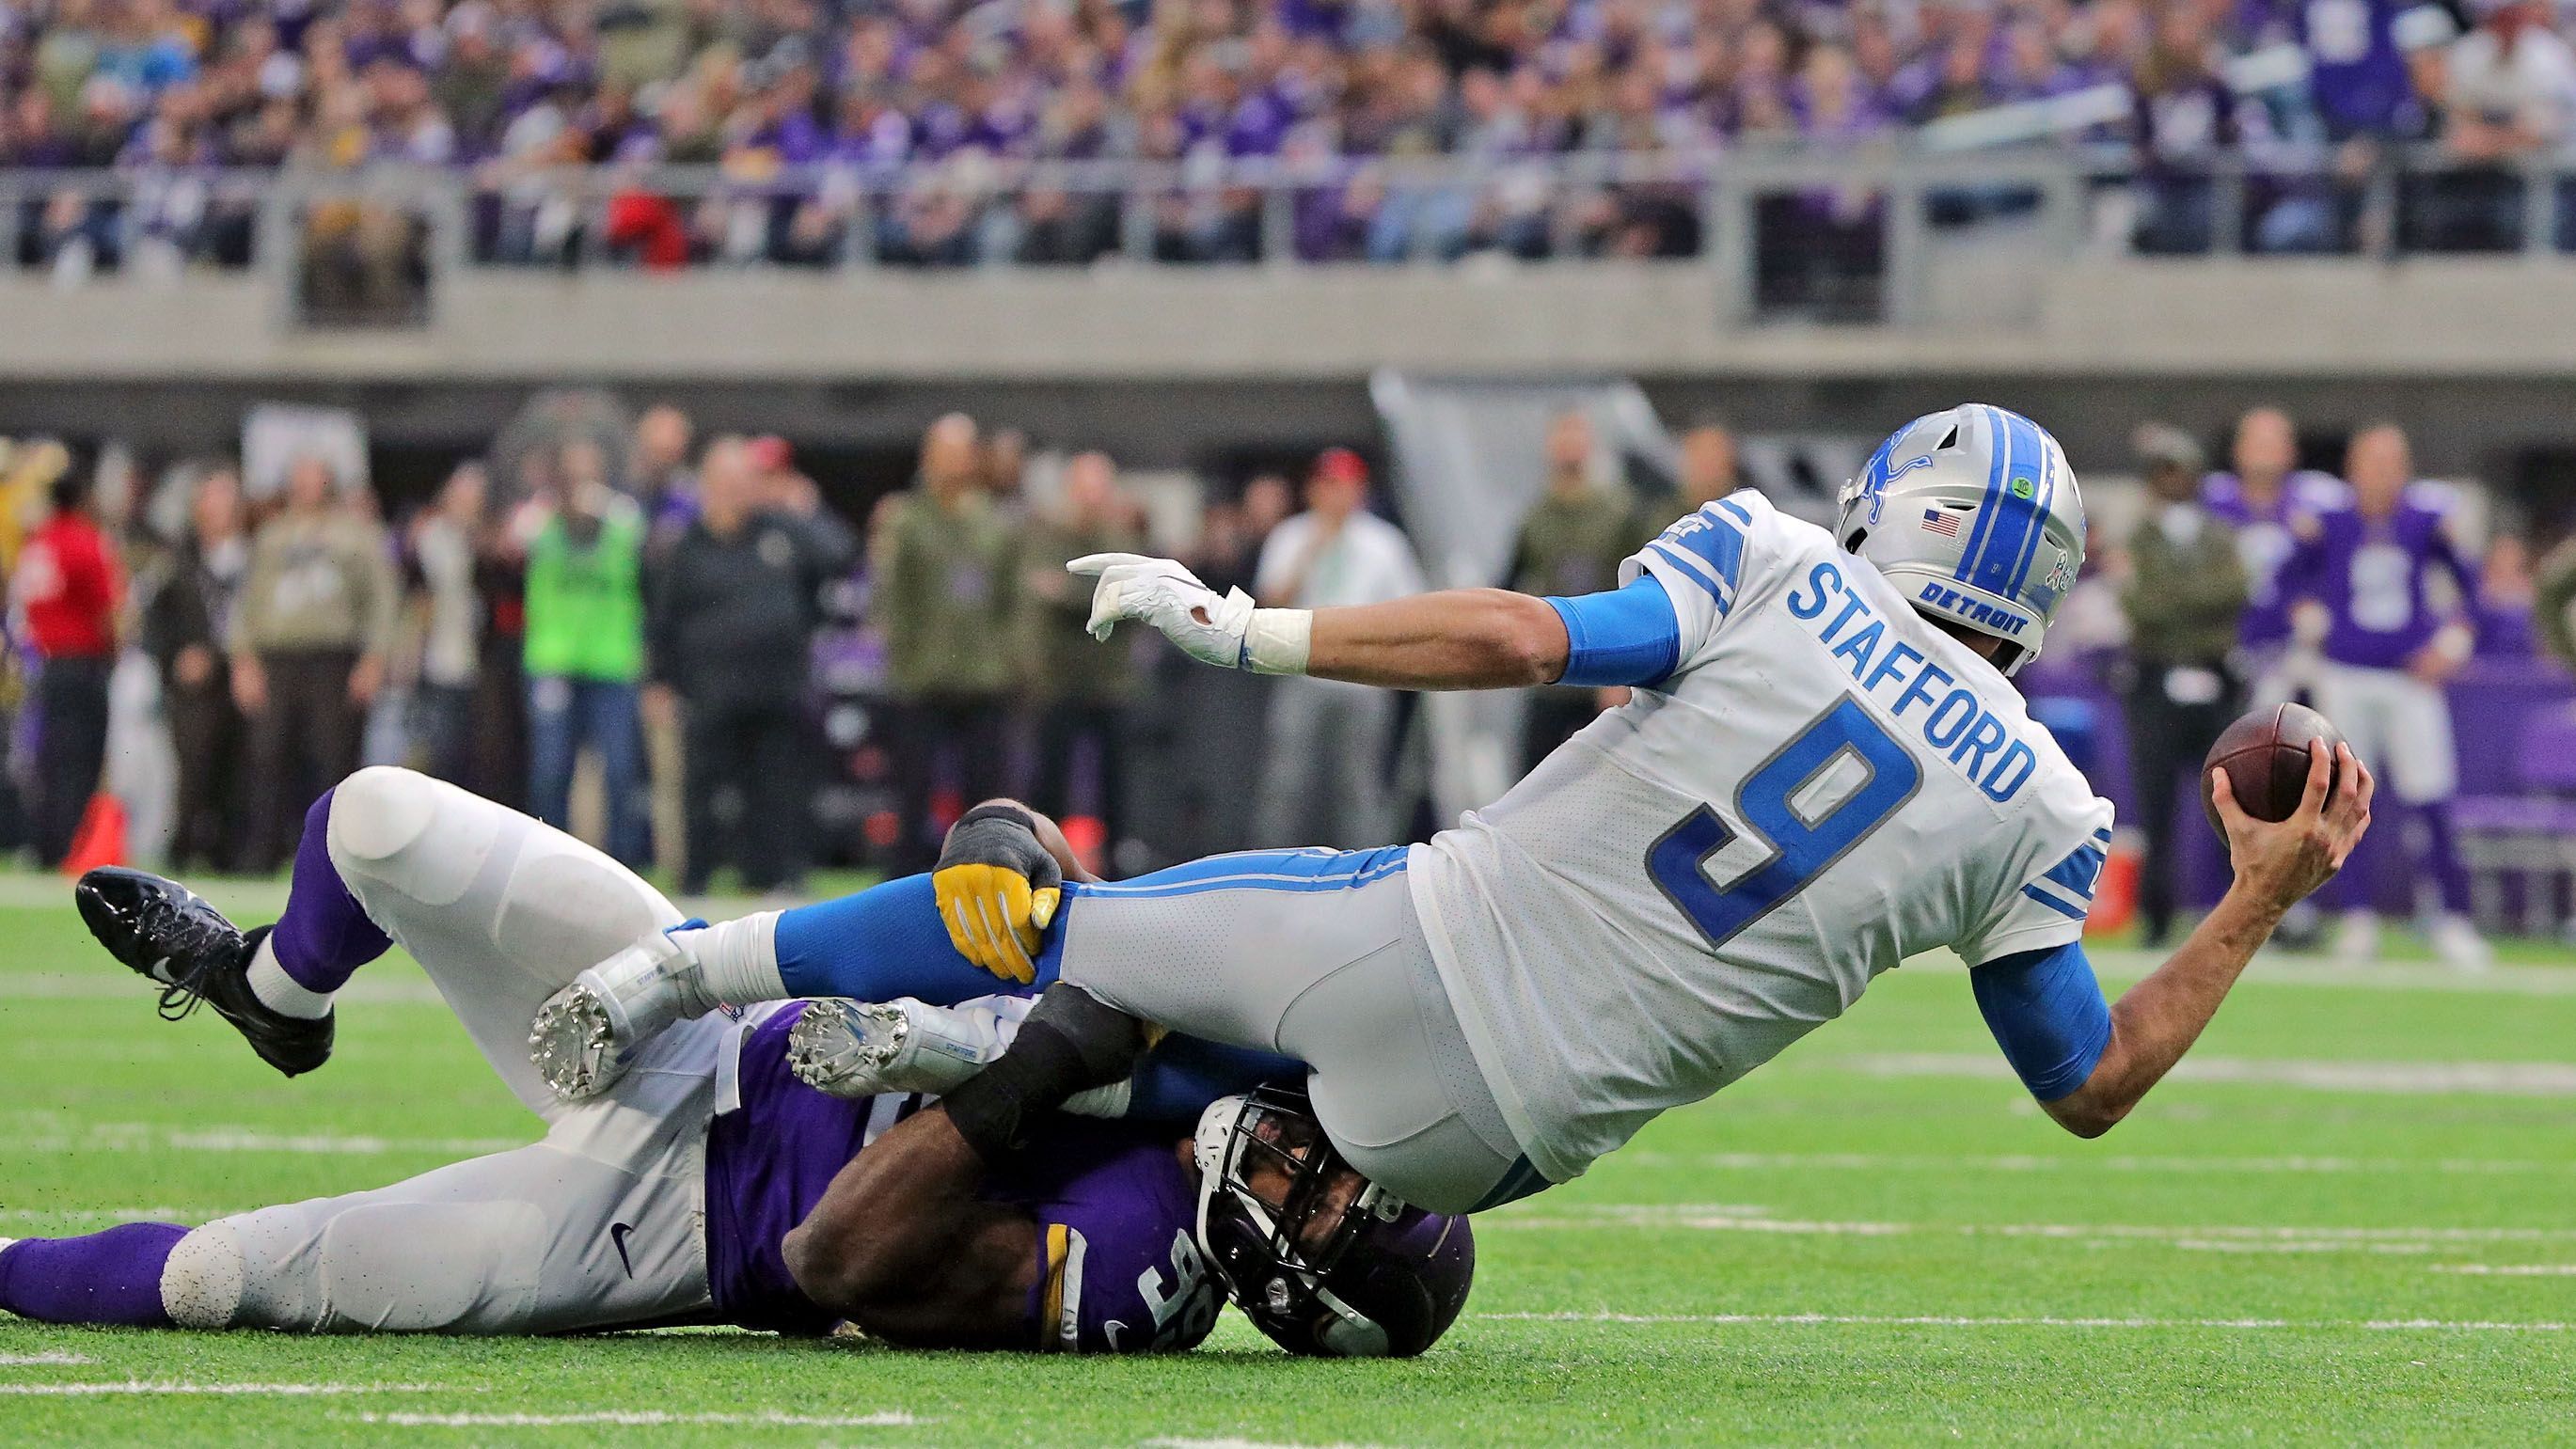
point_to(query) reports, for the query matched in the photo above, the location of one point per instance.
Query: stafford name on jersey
(1953, 721)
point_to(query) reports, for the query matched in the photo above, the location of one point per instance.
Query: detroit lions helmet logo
(1874, 478)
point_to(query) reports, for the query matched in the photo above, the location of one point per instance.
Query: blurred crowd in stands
(726, 649)
(927, 105)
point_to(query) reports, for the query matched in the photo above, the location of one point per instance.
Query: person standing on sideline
(445, 545)
(1323, 776)
(2262, 501)
(184, 627)
(309, 642)
(585, 649)
(69, 588)
(2360, 577)
(1570, 544)
(736, 602)
(2183, 587)
(1083, 688)
(946, 593)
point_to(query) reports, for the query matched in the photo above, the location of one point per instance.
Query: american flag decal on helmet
(1941, 521)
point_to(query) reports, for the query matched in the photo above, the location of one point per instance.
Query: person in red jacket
(69, 587)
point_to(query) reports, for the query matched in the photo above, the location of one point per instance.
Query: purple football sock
(323, 937)
(109, 1277)
(2444, 849)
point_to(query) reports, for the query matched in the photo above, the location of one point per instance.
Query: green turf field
(2354, 1222)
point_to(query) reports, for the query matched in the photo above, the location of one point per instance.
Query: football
(2265, 755)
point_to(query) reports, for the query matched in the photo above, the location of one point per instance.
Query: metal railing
(1842, 235)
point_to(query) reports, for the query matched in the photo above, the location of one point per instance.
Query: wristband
(1278, 641)
(991, 1108)
(999, 810)
(1069, 1041)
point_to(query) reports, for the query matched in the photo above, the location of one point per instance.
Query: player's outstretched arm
(900, 1245)
(1451, 639)
(2277, 866)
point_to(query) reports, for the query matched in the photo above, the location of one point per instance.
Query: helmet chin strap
(1351, 1334)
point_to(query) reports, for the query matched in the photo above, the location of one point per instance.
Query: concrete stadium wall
(2477, 354)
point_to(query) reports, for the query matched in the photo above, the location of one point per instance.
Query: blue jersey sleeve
(2047, 1013)
(881, 943)
(1624, 636)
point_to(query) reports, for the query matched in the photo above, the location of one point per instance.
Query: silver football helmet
(1974, 513)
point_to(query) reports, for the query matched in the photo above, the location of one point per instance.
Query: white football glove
(1208, 626)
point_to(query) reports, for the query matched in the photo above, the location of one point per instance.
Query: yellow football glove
(997, 890)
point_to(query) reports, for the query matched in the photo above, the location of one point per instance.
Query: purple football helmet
(1319, 1258)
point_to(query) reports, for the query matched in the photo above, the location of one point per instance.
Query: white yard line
(2414, 1079)
(1727, 1218)
(642, 1419)
(2509, 1270)
(146, 1386)
(2018, 1162)
(154, 1214)
(112, 982)
(149, 1137)
(43, 1360)
(1929, 1320)
(1171, 1443)
(2284, 968)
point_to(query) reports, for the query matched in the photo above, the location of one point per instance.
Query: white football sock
(282, 993)
(737, 960)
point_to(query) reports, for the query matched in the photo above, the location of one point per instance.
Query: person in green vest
(585, 648)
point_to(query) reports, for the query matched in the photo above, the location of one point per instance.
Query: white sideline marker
(643, 1419)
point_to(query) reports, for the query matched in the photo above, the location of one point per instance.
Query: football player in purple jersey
(2363, 579)
(2261, 499)
(711, 1184)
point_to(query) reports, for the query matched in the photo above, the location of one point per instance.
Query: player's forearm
(896, 1225)
(2156, 1021)
(1453, 639)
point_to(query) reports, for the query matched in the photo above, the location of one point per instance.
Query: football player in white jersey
(1823, 771)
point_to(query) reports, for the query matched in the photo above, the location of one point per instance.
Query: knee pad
(424, 838)
(567, 905)
(201, 1284)
(429, 1267)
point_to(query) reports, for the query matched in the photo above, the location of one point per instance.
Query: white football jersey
(1826, 785)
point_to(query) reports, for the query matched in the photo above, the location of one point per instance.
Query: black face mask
(1365, 1277)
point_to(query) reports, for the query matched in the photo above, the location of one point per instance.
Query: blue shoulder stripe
(1691, 569)
(2054, 904)
(2079, 873)
(1713, 538)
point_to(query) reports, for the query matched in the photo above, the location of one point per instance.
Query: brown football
(2265, 755)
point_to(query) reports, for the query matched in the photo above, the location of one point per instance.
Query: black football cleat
(169, 933)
